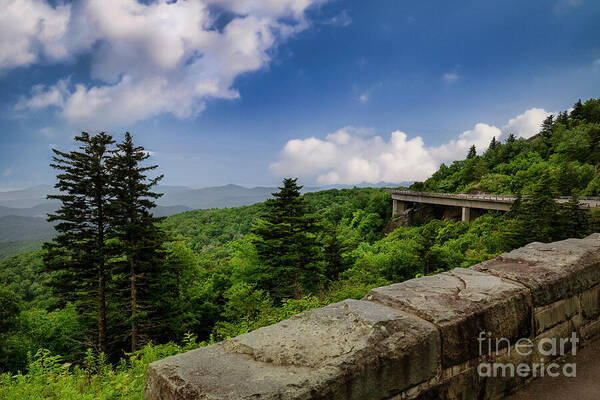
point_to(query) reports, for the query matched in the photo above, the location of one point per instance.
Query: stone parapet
(418, 339)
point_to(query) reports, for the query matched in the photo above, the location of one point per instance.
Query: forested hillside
(230, 271)
(567, 148)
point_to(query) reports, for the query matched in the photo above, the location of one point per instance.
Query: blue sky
(248, 91)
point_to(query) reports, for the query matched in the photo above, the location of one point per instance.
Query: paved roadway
(585, 386)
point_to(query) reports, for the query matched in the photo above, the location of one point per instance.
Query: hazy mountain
(40, 210)
(26, 198)
(23, 212)
(215, 197)
(15, 228)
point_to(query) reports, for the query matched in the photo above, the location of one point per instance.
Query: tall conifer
(79, 254)
(287, 245)
(140, 239)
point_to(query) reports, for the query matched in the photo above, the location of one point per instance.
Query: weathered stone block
(462, 304)
(555, 342)
(590, 303)
(348, 350)
(590, 331)
(546, 317)
(553, 271)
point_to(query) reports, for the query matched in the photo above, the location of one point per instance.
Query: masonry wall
(412, 340)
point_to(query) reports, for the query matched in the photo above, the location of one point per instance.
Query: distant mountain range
(23, 212)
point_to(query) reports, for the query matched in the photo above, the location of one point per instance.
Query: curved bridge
(468, 201)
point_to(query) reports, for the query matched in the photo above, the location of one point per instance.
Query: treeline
(567, 149)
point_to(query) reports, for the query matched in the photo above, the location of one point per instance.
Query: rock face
(348, 350)
(462, 303)
(412, 340)
(552, 271)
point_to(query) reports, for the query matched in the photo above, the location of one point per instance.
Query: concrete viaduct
(468, 201)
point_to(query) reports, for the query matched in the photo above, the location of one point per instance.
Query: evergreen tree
(79, 253)
(538, 214)
(334, 248)
(577, 112)
(567, 179)
(140, 239)
(493, 144)
(563, 118)
(547, 125)
(286, 244)
(472, 152)
(575, 221)
(511, 138)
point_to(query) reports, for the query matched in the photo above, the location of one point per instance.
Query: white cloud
(351, 155)
(42, 97)
(526, 124)
(162, 57)
(597, 62)
(30, 29)
(450, 77)
(480, 136)
(364, 98)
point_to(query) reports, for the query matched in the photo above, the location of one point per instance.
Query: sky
(250, 91)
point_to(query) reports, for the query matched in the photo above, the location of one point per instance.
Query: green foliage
(139, 242)
(286, 244)
(567, 147)
(49, 377)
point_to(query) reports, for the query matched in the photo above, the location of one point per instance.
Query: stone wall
(412, 340)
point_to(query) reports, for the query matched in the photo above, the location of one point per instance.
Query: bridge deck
(483, 201)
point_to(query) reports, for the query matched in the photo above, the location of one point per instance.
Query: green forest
(117, 288)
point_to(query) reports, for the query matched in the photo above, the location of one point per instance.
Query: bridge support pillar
(398, 207)
(466, 214)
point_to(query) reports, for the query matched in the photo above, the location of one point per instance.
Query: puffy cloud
(44, 97)
(351, 155)
(161, 57)
(480, 136)
(364, 98)
(30, 29)
(526, 124)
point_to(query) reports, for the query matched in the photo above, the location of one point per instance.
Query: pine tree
(79, 254)
(567, 179)
(577, 112)
(334, 248)
(140, 239)
(574, 221)
(511, 138)
(563, 118)
(493, 144)
(286, 244)
(547, 125)
(538, 214)
(472, 152)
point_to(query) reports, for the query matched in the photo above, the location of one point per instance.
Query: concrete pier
(466, 214)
